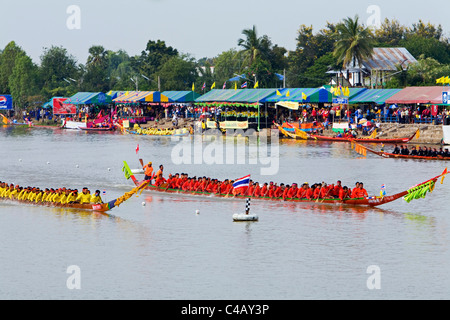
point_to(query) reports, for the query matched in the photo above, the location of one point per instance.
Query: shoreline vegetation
(256, 59)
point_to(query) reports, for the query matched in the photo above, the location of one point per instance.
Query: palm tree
(97, 56)
(253, 45)
(354, 43)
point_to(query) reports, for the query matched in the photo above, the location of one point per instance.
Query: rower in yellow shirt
(96, 197)
(84, 197)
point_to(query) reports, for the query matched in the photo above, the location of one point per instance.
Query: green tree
(96, 77)
(390, 33)
(23, 80)
(227, 64)
(178, 73)
(254, 46)
(7, 63)
(56, 65)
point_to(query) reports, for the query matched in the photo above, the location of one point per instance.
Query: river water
(164, 250)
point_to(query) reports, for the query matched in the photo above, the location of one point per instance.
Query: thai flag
(242, 182)
(204, 86)
(244, 85)
(224, 85)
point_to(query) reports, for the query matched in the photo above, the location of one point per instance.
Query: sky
(201, 28)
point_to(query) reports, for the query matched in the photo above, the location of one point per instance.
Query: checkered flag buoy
(245, 216)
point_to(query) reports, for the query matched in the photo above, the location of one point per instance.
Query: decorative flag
(241, 182)
(204, 86)
(383, 190)
(137, 149)
(213, 86)
(256, 85)
(224, 85)
(332, 90)
(447, 79)
(104, 192)
(244, 85)
(287, 94)
(193, 87)
(235, 86)
(304, 96)
(278, 93)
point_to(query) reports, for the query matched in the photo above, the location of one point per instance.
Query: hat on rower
(150, 163)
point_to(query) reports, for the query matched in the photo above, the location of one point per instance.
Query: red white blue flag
(244, 85)
(241, 182)
(204, 86)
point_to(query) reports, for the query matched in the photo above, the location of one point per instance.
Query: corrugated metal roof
(387, 59)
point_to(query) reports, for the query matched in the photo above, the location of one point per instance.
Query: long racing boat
(401, 156)
(307, 136)
(100, 207)
(414, 192)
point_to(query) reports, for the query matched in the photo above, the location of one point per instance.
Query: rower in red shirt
(344, 193)
(337, 188)
(257, 190)
(224, 187)
(278, 192)
(324, 192)
(309, 193)
(292, 193)
(186, 185)
(264, 190)
(250, 189)
(316, 193)
(285, 192)
(301, 193)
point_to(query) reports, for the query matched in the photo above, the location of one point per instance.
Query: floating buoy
(143, 204)
(20, 160)
(245, 216)
(109, 169)
(197, 211)
(48, 162)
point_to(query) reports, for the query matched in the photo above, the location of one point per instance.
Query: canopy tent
(251, 95)
(219, 95)
(288, 104)
(181, 96)
(115, 94)
(378, 96)
(302, 95)
(88, 98)
(142, 96)
(413, 95)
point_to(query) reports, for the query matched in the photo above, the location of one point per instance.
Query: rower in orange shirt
(355, 191)
(250, 189)
(159, 176)
(362, 192)
(148, 171)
